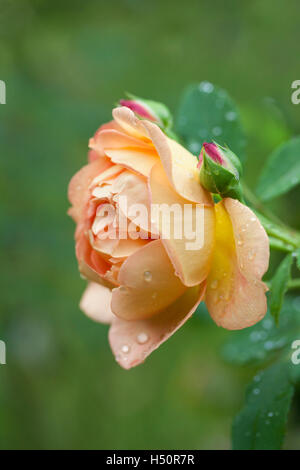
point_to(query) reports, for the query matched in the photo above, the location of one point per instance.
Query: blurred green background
(65, 64)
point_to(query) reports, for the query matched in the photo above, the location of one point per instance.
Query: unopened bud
(220, 171)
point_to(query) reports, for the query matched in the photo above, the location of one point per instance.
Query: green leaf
(261, 422)
(278, 231)
(279, 285)
(206, 114)
(281, 172)
(262, 342)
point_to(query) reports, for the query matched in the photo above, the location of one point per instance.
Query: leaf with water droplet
(251, 428)
(264, 341)
(207, 112)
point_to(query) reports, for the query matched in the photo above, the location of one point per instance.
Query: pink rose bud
(152, 110)
(138, 108)
(220, 171)
(221, 156)
(212, 150)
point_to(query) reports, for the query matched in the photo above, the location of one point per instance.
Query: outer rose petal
(235, 295)
(126, 150)
(86, 256)
(78, 191)
(179, 165)
(95, 303)
(112, 139)
(133, 126)
(192, 266)
(252, 242)
(133, 341)
(148, 283)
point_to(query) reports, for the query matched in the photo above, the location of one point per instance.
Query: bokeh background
(65, 64)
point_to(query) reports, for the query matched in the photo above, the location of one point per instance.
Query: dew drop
(253, 219)
(195, 147)
(251, 255)
(125, 349)
(230, 116)
(207, 87)
(148, 276)
(240, 242)
(256, 391)
(217, 130)
(270, 414)
(214, 284)
(267, 324)
(269, 345)
(142, 338)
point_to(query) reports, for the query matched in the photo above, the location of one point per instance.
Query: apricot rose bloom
(147, 287)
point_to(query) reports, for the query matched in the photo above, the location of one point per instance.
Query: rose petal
(191, 265)
(95, 303)
(112, 139)
(133, 200)
(107, 175)
(132, 341)
(251, 240)
(87, 256)
(180, 166)
(138, 160)
(133, 126)
(148, 283)
(235, 295)
(78, 191)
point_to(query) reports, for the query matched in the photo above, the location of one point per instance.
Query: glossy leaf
(261, 342)
(281, 172)
(261, 422)
(206, 114)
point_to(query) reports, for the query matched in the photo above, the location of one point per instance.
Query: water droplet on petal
(214, 284)
(142, 338)
(125, 349)
(148, 276)
(251, 255)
